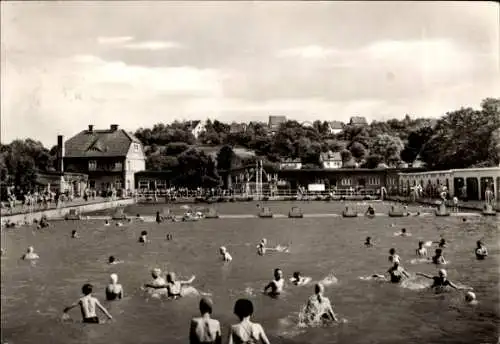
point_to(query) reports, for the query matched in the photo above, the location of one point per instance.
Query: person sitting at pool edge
(481, 250)
(88, 305)
(246, 331)
(441, 280)
(174, 287)
(370, 211)
(158, 282)
(30, 254)
(421, 250)
(438, 258)
(277, 284)
(204, 329)
(368, 242)
(114, 291)
(393, 258)
(319, 307)
(225, 255)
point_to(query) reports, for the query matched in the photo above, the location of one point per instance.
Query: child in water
(30, 254)
(441, 280)
(277, 284)
(74, 234)
(204, 329)
(298, 279)
(421, 250)
(174, 286)
(88, 305)
(438, 258)
(393, 258)
(318, 307)
(246, 331)
(144, 237)
(225, 255)
(114, 291)
(368, 242)
(481, 250)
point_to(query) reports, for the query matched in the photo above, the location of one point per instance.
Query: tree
(346, 156)
(226, 158)
(388, 147)
(358, 150)
(372, 161)
(416, 141)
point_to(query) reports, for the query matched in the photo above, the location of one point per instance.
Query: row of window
(117, 166)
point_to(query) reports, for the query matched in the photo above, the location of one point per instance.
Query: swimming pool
(33, 296)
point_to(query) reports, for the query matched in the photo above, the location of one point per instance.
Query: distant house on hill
(196, 128)
(236, 128)
(291, 164)
(275, 123)
(109, 157)
(335, 127)
(330, 160)
(358, 120)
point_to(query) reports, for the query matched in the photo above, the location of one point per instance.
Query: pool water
(33, 296)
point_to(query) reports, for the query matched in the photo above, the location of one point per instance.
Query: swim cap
(114, 278)
(30, 249)
(470, 296)
(222, 248)
(443, 272)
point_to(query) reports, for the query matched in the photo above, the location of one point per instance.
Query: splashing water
(329, 280)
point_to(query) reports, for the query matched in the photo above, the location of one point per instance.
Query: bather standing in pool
(277, 284)
(398, 273)
(30, 254)
(438, 258)
(393, 258)
(88, 305)
(421, 250)
(158, 282)
(481, 250)
(204, 329)
(174, 286)
(114, 291)
(318, 307)
(225, 255)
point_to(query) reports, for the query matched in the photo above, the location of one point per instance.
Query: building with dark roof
(109, 157)
(275, 123)
(358, 120)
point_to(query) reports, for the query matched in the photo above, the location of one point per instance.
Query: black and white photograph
(250, 172)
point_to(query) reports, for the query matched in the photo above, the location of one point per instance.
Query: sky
(66, 65)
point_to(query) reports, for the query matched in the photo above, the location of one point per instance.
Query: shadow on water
(33, 296)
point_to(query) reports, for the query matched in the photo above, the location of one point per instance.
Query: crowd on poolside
(318, 309)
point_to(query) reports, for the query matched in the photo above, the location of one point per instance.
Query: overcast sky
(69, 64)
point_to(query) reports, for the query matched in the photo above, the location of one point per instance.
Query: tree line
(462, 138)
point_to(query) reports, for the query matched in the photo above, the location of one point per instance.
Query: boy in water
(204, 329)
(88, 305)
(158, 282)
(441, 281)
(114, 291)
(174, 286)
(421, 250)
(438, 258)
(319, 307)
(30, 254)
(393, 258)
(368, 242)
(143, 239)
(297, 278)
(277, 284)
(225, 255)
(481, 250)
(246, 331)
(397, 273)
(74, 234)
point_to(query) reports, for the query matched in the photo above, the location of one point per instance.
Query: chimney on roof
(114, 127)
(91, 128)
(60, 154)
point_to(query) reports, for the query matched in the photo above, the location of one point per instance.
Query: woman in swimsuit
(114, 291)
(246, 332)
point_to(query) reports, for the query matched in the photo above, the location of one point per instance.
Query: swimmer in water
(277, 284)
(318, 307)
(74, 234)
(88, 305)
(159, 218)
(298, 279)
(30, 254)
(169, 236)
(421, 250)
(397, 273)
(119, 224)
(106, 223)
(139, 217)
(246, 331)
(481, 250)
(368, 242)
(393, 258)
(114, 291)
(112, 260)
(470, 298)
(261, 248)
(404, 233)
(438, 258)
(225, 255)
(204, 329)
(175, 287)
(441, 243)
(441, 281)
(144, 237)
(158, 282)
(370, 211)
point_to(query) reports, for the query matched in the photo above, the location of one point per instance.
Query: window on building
(161, 184)
(346, 181)
(143, 184)
(118, 185)
(118, 166)
(136, 147)
(92, 165)
(129, 166)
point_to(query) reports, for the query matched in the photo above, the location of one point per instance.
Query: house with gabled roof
(196, 128)
(109, 157)
(358, 121)
(275, 123)
(335, 127)
(330, 160)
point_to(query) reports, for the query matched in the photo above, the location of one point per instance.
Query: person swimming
(175, 286)
(88, 305)
(421, 251)
(112, 260)
(438, 258)
(275, 285)
(158, 282)
(404, 233)
(144, 237)
(204, 329)
(481, 250)
(441, 281)
(261, 247)
(139, 217)
(225, 255)
(319, 307)
(119, 224)
(298, 279)
(442, 243)
(393, 257)
(169, 236)
(470, 298)
(114, 291)
(30, 254)
(368, 242)
(74, 234)
(106, 223)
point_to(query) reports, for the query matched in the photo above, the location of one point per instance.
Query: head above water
(479, 243)
(439, 251)
(296, 275)
(319, 288)
(206, 305)
(403, 230)
(278, 273)
(111, 259)
(113, 278)
(392, 251)
(420, 243)
(222, 249)
(470, 296)
(30, 249)
(368, 239)
(243, 308)
(144, 233)
(442, 273)
(156, 272)
(87, 289)
(171, 277)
